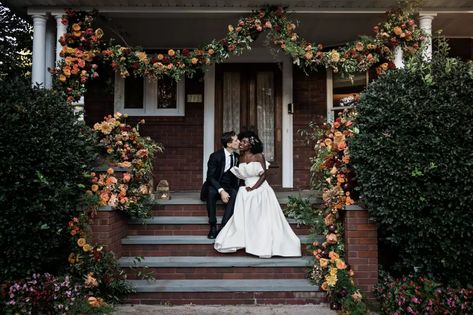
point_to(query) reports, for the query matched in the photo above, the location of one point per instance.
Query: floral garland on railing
(83, 46)
(333, 174)
(123, 146)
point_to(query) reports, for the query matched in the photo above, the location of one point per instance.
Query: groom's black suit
(217, 178)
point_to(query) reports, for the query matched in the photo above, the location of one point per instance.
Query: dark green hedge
(44, 154)
(414, 163)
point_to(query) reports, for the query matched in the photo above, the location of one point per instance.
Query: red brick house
(258, 90)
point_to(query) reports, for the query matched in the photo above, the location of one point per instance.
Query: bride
(258, 223)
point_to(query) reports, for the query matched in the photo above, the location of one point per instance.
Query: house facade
(260, 90)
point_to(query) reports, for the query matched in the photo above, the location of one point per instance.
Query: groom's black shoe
(213, 232)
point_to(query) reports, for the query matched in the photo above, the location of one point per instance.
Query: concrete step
(226, 292)
(185, 225)
(256, 285)
(179, 240)
(189, 267)
(182, 245)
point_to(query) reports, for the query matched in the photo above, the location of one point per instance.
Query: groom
(220, 182)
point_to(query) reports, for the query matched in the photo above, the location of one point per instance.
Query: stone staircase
(175, 250)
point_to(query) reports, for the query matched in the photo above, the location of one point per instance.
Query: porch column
(425, 22)
(398, 57)
(287, 125)
(39, 49)
(209, 116)
(50, 54)
(60, 30)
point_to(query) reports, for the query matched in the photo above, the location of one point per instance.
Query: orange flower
(110, 171)
(77, 34)
(357, 296)
(359, 46)
(324, 286)
(329, 219)
(95, 302)
(340, 264)
(309, 55)
(211, 51)
(397, 30)
(62, 78)
(328, 142)
(331, 238)
(171, 52)
(126, 177)
(111, 180)
(81, 242)
(342, 146)
(346, 159)
(72, 258)
(333, 256)
(104, 197)
(94, 188)
(75, 27)
(99, 33)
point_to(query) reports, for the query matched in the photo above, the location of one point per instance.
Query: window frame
(150, 99)
(330, 108)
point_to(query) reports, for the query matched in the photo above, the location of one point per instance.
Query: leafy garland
(333, 174)
(83, 48)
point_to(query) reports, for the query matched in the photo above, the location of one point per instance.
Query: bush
(413, 159)
(421, 295)
(45, 152)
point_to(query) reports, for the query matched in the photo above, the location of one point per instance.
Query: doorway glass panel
(231, 101)
(265, 111)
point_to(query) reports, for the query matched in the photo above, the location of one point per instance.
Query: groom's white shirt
(228, 161)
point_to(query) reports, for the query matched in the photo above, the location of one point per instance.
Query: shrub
(45, 151)
(413, 160)
(42, 294)
(421, 295)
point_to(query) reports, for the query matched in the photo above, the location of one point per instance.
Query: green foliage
(413, 160)
(15, 44)
(303, 212)
(45, 152)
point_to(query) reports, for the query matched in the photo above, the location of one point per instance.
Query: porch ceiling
(436, 5)
(191, 23)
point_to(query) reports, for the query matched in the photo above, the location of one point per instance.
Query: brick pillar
(361, 248)
(108, 228)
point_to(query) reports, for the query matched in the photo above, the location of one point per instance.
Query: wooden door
(249, 97)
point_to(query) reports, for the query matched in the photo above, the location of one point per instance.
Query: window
(147, 97)
(341, 91)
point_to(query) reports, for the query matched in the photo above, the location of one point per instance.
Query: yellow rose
(323, 262)
(334, 56)
(331, 280)
(99, 33)
(87, 248)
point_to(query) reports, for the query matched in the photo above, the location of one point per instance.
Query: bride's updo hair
(256, 144)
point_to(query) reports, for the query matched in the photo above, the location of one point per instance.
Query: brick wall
(361, 248)
(108, 229)
(310, 98)
(182, 137)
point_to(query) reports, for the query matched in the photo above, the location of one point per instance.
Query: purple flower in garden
(410, 310)
(415, 300)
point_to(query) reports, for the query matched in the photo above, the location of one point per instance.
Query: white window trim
(330, 108)
(149, 99)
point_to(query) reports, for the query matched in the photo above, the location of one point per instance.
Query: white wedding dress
(258, 223)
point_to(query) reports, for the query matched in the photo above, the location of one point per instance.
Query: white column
(425, 22)
(209, 116)
(39, 49)
(398, 57)
(60, 30)
(50, 54)
(287, 125)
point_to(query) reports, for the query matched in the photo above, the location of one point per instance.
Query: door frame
(262, 55)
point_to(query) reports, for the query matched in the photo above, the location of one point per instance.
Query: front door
(249, 97)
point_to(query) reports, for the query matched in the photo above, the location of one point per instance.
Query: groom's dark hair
(227, 137)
